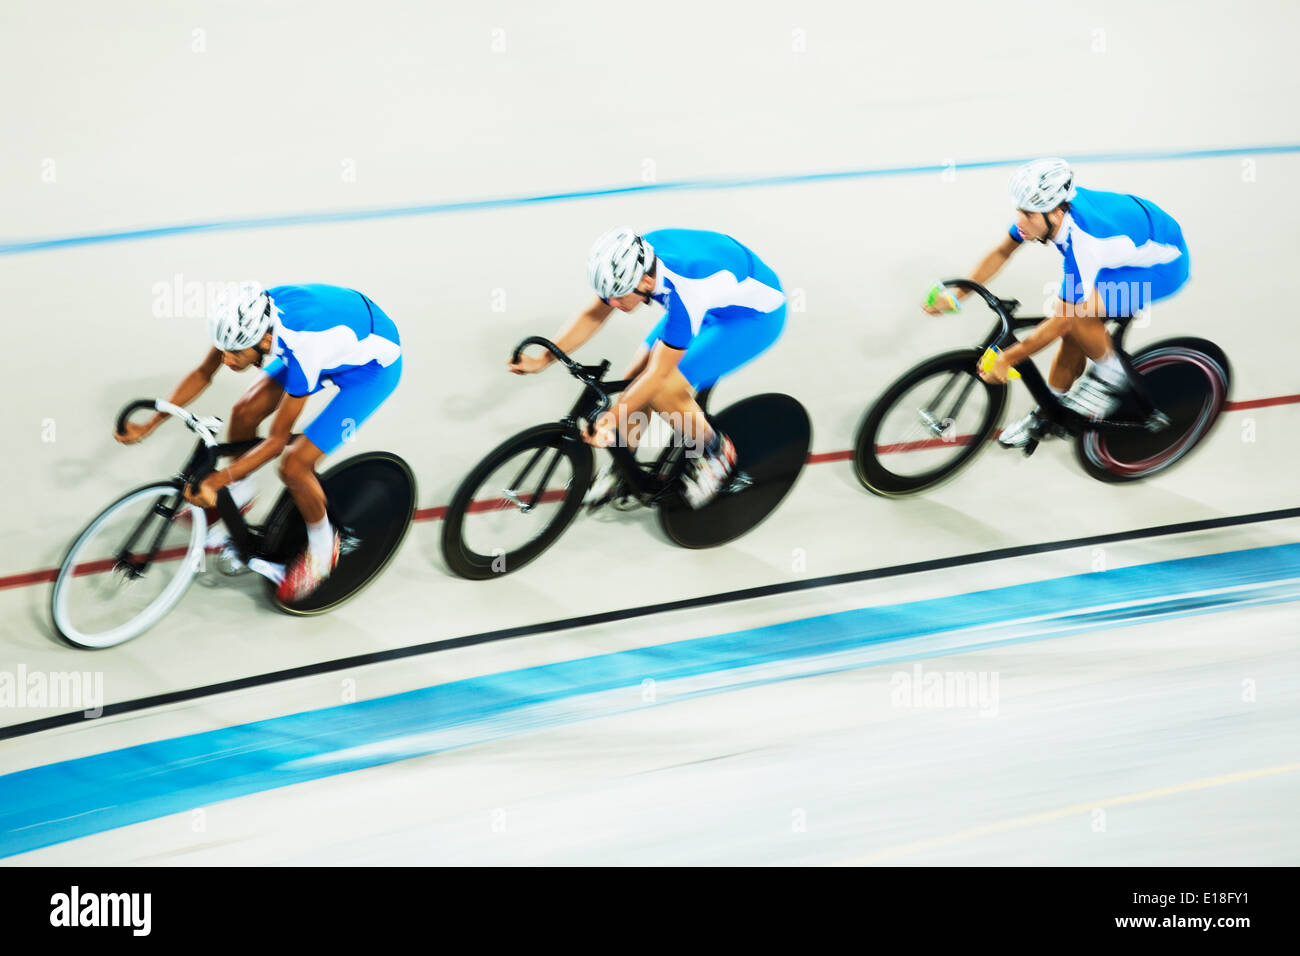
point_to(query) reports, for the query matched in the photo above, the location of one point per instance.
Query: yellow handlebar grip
(989, 357)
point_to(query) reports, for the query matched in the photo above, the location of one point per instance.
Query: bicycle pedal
(228, 563)
(349, 540)
(1157, 422)
(268, 569)
(617, 497)
(739, 482)
(1030, 446)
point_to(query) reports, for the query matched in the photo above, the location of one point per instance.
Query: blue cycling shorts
(361, 390)
(725, 342)
(1128, 289)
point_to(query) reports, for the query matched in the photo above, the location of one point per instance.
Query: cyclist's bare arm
(190, 388)
(1066, 318)
(273, 444)
(575, 334)
(992, 264)
(660, 362)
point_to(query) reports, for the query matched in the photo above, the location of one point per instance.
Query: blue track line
(74, 798)
(17, 246)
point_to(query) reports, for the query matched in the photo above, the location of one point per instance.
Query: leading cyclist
(314, 334)
(724, 308)
(1121, 254)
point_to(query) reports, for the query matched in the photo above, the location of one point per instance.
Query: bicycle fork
(238, 553)
(938, 423)
(513, 493)
(126, 561)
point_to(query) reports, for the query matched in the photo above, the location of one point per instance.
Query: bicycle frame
(1003, 335)
(201, 463)
(649, 481)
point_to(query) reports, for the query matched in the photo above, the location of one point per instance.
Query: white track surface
(1146, 724)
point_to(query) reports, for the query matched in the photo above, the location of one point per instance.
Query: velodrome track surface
(1146, 682)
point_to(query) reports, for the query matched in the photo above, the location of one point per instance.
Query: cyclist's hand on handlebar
(528, 364)
(940, 300)
(134, 433)
(996, 372)
(205, 496)
(604, 431)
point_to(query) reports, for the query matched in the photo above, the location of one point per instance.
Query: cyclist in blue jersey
(723, 307)
(1121, 253)
(314, 335)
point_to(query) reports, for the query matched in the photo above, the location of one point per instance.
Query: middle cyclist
(724, 308)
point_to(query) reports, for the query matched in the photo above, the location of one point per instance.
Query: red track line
(825, 456)
(439, 512)
(1261, 403)
(28, 577)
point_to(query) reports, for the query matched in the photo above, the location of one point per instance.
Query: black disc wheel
(927, 425)
(1187, 381)
(772, 434)
(516, 502)
(372, 501)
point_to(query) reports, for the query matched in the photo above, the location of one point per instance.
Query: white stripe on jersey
(719, 291)
(335, 347)
(1093, 253)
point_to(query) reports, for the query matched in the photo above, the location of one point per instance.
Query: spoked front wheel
(927, 425)
(1188, 382)
(517, 501)
(128, 568)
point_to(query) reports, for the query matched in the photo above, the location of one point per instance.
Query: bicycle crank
(739, 482)
(1157, 422)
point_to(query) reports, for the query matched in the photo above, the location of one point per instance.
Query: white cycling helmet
(1042, 185)
(241, 318)
(617, 262)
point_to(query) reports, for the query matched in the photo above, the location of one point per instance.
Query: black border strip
(627, 614)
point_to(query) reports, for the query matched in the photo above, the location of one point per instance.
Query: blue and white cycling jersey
(324, 332)
(724, 305)
(327, 334)
(1129, 249)
(707, 274)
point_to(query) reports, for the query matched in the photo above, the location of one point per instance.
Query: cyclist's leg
(297, 469)
(1086, 338)
(252, 408)
(360, 393)
(1110, 380)
(636, 423)
(1126, 292)
(1068, 364)
(732, 340)
(607, 483)
(1087, 333)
